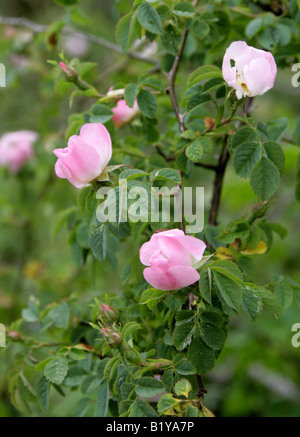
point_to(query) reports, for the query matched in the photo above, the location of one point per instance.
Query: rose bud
(111, 336)
(86, 155)
(171, 257)
(123, 114)
(251, 72)
(70, 74)
(16, 148)
(14, 335)
(108, 313)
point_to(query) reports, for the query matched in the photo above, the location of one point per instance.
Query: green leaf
(183, 388)
(243, 135)
(31, 314)
(254, 27)
(171, 39)
(194, 151)
(184, 9)
(184, 316)
(76, 376)
(276, 227)
(245, 158)
(212, 335)
(98, 242)
(101, 113)
(167, 174)
(166, 402)
(195, 101)
(56, 370)
(192, 411)
(123, 31)
(81, 407)
(152, 82)
(148, 387)
(284, 32)
(82, 235)
(102, 399)
(284, 294)
(43, 394)
(184, 367)
(182, 335)
(251, 303)
(204, 72)
(188, 135)
(152, 296)
(132, 173)
(275, 154)
(237, 229)
(202, 356)
(230, 291)
(265, 179)
(149, 18)
(227, 268)
(60, 315)
(206, 284)
(200, 28)
(130, 93)
(130, 328)
(141, 408)
(147, 103)
(269, 38)
(269, 300)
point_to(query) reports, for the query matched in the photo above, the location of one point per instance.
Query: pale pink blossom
(171, 257)
(123, 114)
(16, 148)
(86, 155)
(251, 72)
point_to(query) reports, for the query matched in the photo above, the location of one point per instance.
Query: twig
(219, 177)
(38, 28)
(172, 76)
(207, 166)
(218, 182)
(171, 84)
(166, 157)
(202, 389)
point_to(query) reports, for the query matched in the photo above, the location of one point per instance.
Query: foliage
(147, 357)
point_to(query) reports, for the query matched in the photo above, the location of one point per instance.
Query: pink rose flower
(123, 113)
(16, 148)
(250, 71)
(86, 155)
(171, 257)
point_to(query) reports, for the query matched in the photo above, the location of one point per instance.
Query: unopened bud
(259, 210)
(112, 337)
(69, 72)
(107, 312)
(14, 335)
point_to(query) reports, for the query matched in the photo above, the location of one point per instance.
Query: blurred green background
(258, 372)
